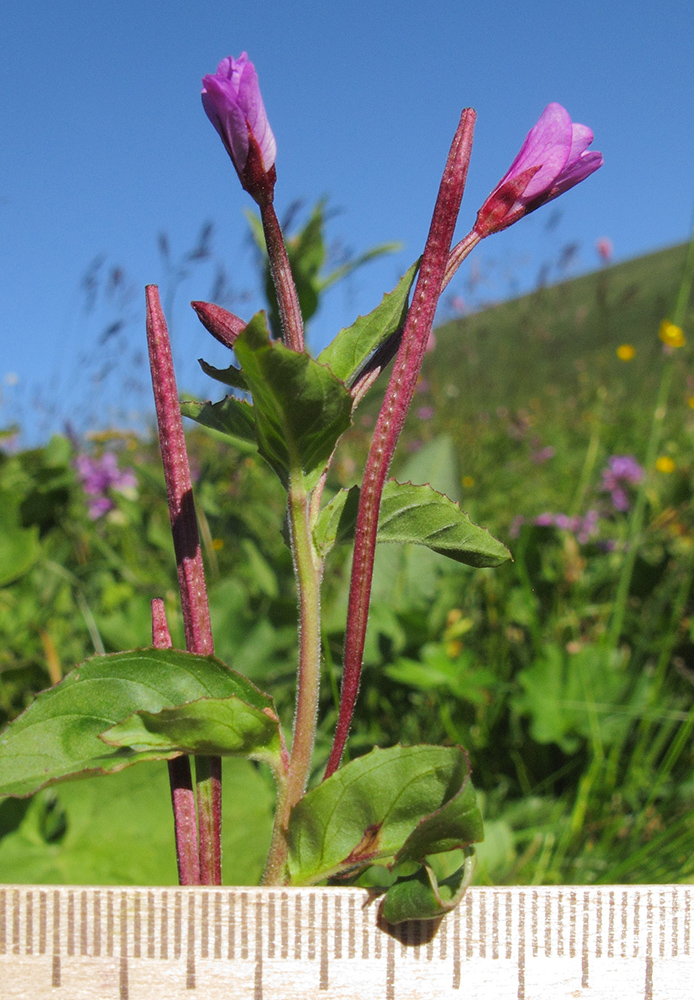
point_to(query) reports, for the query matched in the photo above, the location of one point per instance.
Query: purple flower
(99, 476)
(621, 471)
(552, 159)
(584, 528)
(232, 101)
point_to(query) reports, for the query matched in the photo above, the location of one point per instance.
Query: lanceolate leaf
(416, 514)
(353, 345)
(300, 408)
(231, 417)
(58, 736)
(374, 806)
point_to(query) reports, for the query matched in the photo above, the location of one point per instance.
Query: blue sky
(105, 144)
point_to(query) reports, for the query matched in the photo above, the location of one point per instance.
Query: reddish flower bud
(222, 324)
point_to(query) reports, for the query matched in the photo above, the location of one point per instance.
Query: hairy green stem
(308, 570)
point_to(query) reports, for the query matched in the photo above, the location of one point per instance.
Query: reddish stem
(191, 574)
(180, 778)
(282, 279)
(390, 421)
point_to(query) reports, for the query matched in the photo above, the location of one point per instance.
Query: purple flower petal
(552, 159)
(232, 101)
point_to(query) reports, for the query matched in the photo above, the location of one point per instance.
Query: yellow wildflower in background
(665, 464)
(625, 352)
(690, 402)
(468, 482)
(671, 334)
(217, 544)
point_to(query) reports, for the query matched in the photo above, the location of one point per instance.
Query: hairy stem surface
(398, 396)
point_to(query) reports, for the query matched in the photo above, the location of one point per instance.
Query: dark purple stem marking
(180, 778)
(398, 397)
(191, 574)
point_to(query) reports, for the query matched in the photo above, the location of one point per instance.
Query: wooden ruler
(524, 943)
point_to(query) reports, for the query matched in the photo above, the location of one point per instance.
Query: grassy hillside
(541, 372)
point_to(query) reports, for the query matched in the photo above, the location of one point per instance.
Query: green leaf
(231, 417)
(120, 831)
(421, 896)
(19, 547)
(415, 514)
(58, 736)
(226, 727)
(336, 521)
(300, 408)
(352, 346)
(232, 375)
(374, 808)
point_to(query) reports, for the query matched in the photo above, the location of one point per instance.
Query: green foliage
(348, 351)
(119, 832)
(104, 716)
(402, 803)
(300, 408)
(417, 515)
(584, 761)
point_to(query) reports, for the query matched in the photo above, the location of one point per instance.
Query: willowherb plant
(402, 818)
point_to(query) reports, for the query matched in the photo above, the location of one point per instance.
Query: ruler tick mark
(258, 972)
(521, 946)
(164, 952)
(15, 922)
(456, 944)
(323, 984)
(29, 934)
(584, 944)
(97, 925)
(84, 923)
(390, 968)
(123, 964)
(190, 950)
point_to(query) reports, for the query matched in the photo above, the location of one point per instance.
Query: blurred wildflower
(665, 464)
(621, 471)
(690, 402)
(468, 482)
(232, 101)
(625, 352)
(543, 455)
(425, 412)
(584, 528)
(553, 158)
(217, 544)
(671, 334)
(604, 248)
(99, 477)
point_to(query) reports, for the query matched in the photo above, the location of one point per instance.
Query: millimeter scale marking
(506, 943)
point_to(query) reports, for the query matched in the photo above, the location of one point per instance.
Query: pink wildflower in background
(604, 249)
(584, 528)
(621, 472)
(99, 476)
